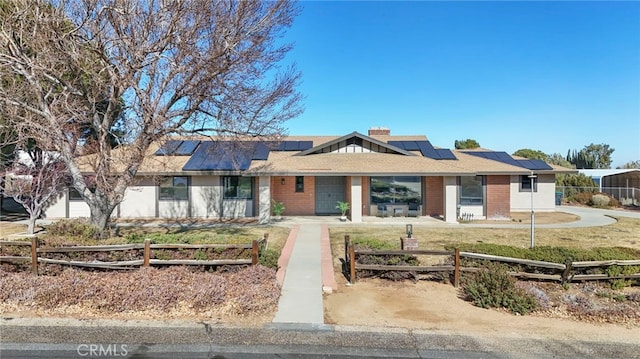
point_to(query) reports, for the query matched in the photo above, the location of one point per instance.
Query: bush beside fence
(565, 273)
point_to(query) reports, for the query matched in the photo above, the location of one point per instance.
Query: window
(175, 188)
(525, 184)
(74, 195)
(401, 190)
(236, 187)
(471, 190)
(299, 184)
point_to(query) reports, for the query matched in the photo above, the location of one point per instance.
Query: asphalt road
(37, 338)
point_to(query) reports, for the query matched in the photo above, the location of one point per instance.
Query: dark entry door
(329, 190)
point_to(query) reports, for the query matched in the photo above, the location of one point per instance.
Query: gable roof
(327, 146)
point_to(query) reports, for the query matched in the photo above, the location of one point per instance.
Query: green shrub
(492, 287)
(269, 258)
(79, 227)
(599, 200)
(200, 255)
(581, 197)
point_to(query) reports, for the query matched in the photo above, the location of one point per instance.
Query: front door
(329, 190)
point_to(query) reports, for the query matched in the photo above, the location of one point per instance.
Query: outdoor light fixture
(282, 181)
(409, 230)
(533, 216)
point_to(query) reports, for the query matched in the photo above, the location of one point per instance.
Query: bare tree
(34, 181)
(179, 66)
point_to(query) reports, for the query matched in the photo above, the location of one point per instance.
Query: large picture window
(400, 190)
(174, 188)
(471, 190)
(236, 187)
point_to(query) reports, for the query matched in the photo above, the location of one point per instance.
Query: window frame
(391, 180)
(469, 200)
(525, 184)
(166, 196)
(227, 183)
(299, 184)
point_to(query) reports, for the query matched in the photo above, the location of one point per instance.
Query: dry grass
(624, 233)
(8, 228)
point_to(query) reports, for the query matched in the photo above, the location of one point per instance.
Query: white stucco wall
(57, 208)
(476, 211)
(206, 194)
(139, 200)
(264, 207)
(356, 199)
(543, 199)
(450, 199)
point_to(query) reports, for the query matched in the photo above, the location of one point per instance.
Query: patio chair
(414, 210)
(382, 210)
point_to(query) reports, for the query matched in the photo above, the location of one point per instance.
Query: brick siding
(295, 203)
(498, 196)
(434, 196)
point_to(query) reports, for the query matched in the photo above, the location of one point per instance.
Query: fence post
(456, 268)
(34, 255)
(352, 264)
(567, 270)
(254, 252)
(347, 242)
(266, 241)
(147, 252)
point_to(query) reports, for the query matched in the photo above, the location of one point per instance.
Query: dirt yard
(429, 305)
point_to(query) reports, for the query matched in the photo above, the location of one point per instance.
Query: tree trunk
(31, 227)
(100, 216)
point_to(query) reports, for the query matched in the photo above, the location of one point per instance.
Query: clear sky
(549, 76)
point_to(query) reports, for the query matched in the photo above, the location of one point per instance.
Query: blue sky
(550, 76)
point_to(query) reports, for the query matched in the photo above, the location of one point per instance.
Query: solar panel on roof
(291, 145)
(534, 164)
(261, 152)
(445, 154)
(427, 150)
(399, 144)
(186, 148)
(223, 156)
(305, 145)
(504, 157)
(168, 148)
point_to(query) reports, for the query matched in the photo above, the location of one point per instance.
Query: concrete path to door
(306, 270)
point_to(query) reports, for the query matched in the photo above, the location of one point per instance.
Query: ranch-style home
(377, 174)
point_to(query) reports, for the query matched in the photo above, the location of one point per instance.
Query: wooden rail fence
(255, 246)
(564, 275)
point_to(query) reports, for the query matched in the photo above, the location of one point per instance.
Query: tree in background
(34, 180)
(631, 165)
(591, 156)
(466, 144)
(559, 160)
(181, 67)
(531, 154)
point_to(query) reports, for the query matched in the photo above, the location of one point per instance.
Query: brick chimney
(379, 131)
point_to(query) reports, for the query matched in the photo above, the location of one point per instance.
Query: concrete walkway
(301, 298)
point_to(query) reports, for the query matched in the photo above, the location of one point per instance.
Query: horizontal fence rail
(563, 276)
(146, 248)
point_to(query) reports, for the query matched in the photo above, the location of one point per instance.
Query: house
(622, 184)
(377, 173)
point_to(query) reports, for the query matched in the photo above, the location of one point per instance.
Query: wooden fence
(564, 274)
(147, 247)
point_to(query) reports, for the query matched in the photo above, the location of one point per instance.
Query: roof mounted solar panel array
(294, 145)
(534, 164)
(168, 148)
(187, 148)
(221, 156)
(425, 148)
(178, 148)
(504, 157)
